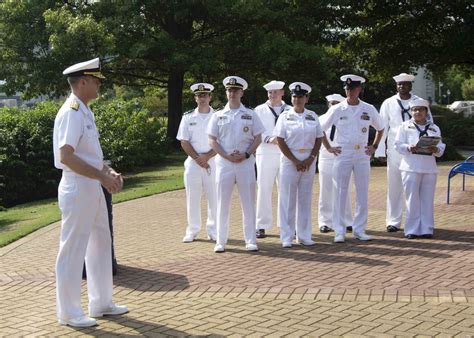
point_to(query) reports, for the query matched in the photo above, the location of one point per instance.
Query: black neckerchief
(404, 110)
(333, 132)
(273, 111)
(422, 132)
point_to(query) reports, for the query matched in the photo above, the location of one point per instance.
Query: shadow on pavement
(137, 328)
(149, 280)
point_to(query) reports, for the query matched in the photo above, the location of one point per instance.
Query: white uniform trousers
(419, 191)
(268, 167)
(294, 201)
(395, 200)
(326, 196)
(227, 175)
(356, 162)
(196, 180)
(84, 234)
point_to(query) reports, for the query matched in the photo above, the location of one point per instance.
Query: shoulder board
(188, 112)
(74, 105)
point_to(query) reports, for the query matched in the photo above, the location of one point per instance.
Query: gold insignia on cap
(349, 81)
(201, 87)
(232, 81)
(74, 105)
(298, 87)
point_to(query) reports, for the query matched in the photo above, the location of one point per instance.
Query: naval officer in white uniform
(268, 154)
(235, 133)
(299, 137)
(199, 167)
(352, 119)
(394, 111)
(84, 222)
(419, 171)
(325, 170)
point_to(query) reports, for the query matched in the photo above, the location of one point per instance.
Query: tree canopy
(170, 44)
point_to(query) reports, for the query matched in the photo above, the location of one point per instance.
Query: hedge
(130, 137)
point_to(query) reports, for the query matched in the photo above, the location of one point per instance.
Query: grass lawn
(21, 220)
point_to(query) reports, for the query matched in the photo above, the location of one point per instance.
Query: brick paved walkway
(390, 286)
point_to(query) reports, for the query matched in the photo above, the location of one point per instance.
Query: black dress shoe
(427, 236)
(349, 229)
(324, 229)
(261, 233)
(411, 236)
(392, 228)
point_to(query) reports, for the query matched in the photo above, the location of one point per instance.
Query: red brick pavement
(389, 286)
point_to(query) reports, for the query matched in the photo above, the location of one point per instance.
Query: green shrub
(129, 137)
(457, 129)
(26, 155)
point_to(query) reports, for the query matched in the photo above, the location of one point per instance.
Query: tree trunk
(175, 104)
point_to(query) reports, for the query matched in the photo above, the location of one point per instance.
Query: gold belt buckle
(301, 150)
(357, 147)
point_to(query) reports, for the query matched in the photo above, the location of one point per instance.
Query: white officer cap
(299, 89)
(91, 67)
(352, 81)
(404, 77)
(335, 97)
(274, 85)
(235, 82)
(419, 103)
(201, 88)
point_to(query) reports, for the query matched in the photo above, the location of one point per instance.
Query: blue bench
(464, 168)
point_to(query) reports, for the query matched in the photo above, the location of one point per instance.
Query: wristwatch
(375, 145)
(247, 155)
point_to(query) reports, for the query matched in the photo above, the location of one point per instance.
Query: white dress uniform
(419, 174)
(235, 129)
(300, 131)
(84, 227)
(268, 163)
(197, 179)
(352, 132)
(394, 111)
(326, 186)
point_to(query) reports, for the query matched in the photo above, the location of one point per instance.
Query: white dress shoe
(361, 236)
(339, 238)
(286, 244)
(83, 321)
(219, 248)
(114, 310)
(251, 247)
(307, 243)
(188, 238)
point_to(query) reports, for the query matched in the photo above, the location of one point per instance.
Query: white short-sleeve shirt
(76, 128)
(235, 129)
(193, 128)
(299, 130)
(352, 122)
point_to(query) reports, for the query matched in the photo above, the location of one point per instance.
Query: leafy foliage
(130, 137)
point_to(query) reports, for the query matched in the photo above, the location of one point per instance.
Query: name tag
(246, 117)
(344, 118)
(222, 120)
(411, 127)
(290, 118)
(192, 123)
